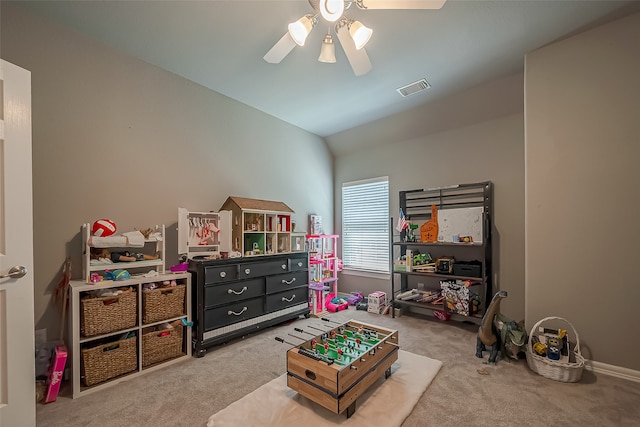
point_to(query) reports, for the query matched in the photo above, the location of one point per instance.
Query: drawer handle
(247, 270)
(289, 300)
(300, 264)
(229, 313)
(231, 291)
(288, 282)
(223, 274)
(284, 266)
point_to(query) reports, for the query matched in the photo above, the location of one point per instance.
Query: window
(365, 225)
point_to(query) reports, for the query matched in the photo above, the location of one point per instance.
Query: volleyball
(103, 228)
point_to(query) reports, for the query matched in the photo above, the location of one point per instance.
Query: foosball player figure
(339, 353)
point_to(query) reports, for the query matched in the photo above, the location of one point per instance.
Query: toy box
(458, 298)
(376, 301)
(56, 372)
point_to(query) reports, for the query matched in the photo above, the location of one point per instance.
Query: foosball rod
(321, 330)
(297, 337)
(324, 319)
(282, 340)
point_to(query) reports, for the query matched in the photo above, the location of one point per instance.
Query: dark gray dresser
(238, 296)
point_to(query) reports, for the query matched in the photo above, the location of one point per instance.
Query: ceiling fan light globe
(327, 50)
(331, 10)
(360, 34)
(300, 29)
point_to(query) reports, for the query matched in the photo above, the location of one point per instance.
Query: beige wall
(489, 150)
(118, 138)
(582, 146)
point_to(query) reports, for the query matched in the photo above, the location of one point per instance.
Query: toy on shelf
(103, 228)
(103, 254)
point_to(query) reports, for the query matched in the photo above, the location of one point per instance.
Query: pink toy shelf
(323, 270)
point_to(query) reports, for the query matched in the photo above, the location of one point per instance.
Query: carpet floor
(392, 400)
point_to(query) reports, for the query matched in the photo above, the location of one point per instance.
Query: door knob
(15, 272)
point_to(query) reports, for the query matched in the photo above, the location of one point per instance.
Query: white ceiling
(220, 45)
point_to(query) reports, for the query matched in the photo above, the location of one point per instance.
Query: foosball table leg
(351, 409)
(387, 373)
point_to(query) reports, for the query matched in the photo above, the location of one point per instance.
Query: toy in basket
(549, 352)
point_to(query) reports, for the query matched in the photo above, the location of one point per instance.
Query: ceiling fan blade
(400, 4)
(358, 59)
(280, 50)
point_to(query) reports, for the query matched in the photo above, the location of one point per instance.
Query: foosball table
(339, 363)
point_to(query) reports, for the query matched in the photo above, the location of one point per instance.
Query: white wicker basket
(568, 372)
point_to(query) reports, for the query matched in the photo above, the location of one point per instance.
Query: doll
(123, 256)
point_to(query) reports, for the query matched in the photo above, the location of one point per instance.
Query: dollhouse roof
(255, 204)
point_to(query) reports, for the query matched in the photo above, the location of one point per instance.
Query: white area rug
(391, 400)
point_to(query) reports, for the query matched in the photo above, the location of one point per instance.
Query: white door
(17, 360)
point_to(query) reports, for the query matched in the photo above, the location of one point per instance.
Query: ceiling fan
(352, 34)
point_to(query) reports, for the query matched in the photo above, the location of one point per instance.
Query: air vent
(415, 87)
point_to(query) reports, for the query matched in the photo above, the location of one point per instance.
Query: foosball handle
(279, 339)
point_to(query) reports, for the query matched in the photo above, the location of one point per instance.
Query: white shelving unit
(203, 234)
(151, 246)
(78, 289)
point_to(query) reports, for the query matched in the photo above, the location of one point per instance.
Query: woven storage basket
(161, 345)
(107, 314)
(568, 372)
(109, 360)
(163, 303)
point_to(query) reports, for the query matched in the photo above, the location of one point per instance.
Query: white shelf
(212, 228)
(77, 288)
(157, 247)
(125, 265)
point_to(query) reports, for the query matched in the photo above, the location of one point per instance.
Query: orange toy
(429, 230)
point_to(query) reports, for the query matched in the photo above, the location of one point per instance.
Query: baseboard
(614, 371)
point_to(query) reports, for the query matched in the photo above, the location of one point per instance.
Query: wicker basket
(163, 303)
(568, 372)
(161, 345)
(109, 360)
(107, 314)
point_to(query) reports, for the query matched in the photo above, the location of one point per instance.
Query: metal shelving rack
(416, 205)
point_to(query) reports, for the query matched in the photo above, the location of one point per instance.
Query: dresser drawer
(298, 264)
(282, 282)
(263, 268)
(233, 313)
(233, 291)
(286, 299)
(220, 274)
